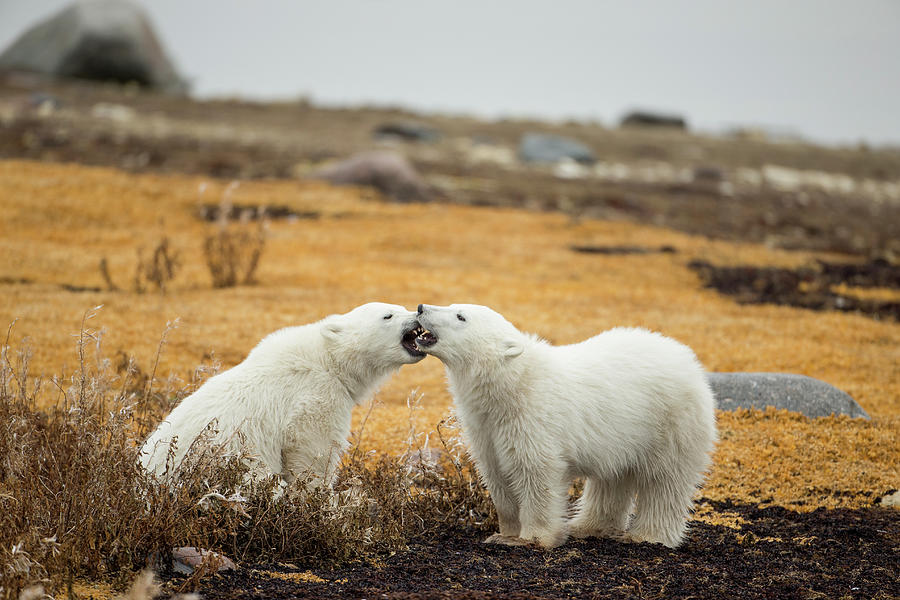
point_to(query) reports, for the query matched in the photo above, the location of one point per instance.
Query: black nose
(421, 308)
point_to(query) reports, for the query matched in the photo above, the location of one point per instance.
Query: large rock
(798, 393)
(388, 172)
(542, 147)
(104, 40)
(643, 118)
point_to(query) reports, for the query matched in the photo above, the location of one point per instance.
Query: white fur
(628, 410)
(291, 399)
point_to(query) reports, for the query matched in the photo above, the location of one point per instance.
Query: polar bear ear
(512, 348)
(330, 331)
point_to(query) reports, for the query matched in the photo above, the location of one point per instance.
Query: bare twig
(104, 271)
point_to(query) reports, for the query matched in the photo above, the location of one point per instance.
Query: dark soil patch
(620, 250)
(777, 553)
(248, 212)
(876, 273)
(806, 287)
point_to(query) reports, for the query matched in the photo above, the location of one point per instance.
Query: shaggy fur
(290, 400)
(628, 410)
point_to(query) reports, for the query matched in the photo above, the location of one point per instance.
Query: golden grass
(58, 221)
(302, 577)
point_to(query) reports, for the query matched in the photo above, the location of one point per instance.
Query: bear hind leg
(662, 510)
(603, 509)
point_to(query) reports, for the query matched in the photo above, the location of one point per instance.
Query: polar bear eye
(386, 317)
(460, 317)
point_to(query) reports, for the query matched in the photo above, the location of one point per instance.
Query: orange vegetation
(59, 221)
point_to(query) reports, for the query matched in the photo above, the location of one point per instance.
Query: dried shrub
(233, 253)
(158, 271)
(75, 503)
(446, 489)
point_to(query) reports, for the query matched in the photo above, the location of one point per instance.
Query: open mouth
(410, 338)
(426, 339)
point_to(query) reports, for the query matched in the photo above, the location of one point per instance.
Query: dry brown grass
(58, 221)
(76, 505)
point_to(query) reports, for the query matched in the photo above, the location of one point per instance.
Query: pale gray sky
(824, 68)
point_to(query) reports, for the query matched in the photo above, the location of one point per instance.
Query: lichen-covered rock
(798, 393)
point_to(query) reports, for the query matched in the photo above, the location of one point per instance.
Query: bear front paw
(545, 539)
(506, 540)
(601, 532)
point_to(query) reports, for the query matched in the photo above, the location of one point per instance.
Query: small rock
(708, 174)
(187, 558)
(798, 393)
(388, 172)
(409, 131)
(541, 147)
(891, 500)
(486, 153)
(641, 118)
(45, 103)
(569, 169)
(113, 112)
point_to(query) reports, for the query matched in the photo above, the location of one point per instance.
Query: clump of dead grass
(75, 503)
(232, 254)
(157, 271)
(233, 251)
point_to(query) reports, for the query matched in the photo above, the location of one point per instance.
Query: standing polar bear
(628, 410)
(291, 399)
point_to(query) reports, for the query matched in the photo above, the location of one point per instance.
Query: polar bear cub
(290, 401)
(628, 410)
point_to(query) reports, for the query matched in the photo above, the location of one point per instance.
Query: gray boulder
(103, 40)
(542, 147)
(388, 172)
(798, 393)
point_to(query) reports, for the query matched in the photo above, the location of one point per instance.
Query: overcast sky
(829, 70)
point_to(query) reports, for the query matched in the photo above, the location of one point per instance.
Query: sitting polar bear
(628, 410)
(291, 399)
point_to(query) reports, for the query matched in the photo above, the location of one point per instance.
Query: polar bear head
(467, 333)
(375, 336)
